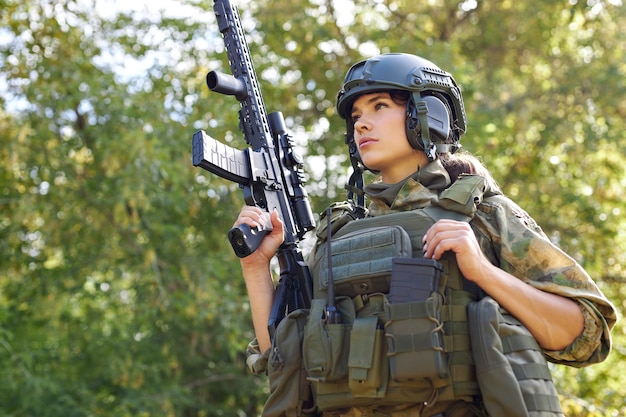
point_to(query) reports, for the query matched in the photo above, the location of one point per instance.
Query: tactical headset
(435, 112)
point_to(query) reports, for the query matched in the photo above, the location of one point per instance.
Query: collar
(418, 190)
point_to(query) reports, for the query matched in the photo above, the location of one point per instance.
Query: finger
(252, 216)
(447, 240)
(252, 211)
(446, 224)
(442, 226)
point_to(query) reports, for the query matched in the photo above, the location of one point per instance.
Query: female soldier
(404, 120)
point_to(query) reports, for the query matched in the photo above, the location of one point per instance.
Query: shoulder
(498, 209)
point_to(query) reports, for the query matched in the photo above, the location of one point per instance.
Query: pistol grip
(245, 239)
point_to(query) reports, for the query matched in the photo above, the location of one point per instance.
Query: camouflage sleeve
(588, 348)
(256, 361)
(513, 241)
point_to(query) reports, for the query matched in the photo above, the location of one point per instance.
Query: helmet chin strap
(421, 114)
(355, 184)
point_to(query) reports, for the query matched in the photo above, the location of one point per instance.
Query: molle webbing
(457, 342)
(511, 369)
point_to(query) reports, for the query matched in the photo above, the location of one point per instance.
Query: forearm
(256, 270)
(260, 287)
(555, 321)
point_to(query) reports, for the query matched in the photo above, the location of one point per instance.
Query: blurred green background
(119, 293)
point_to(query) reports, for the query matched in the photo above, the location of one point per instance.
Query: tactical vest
(403, 340)
(383, 351)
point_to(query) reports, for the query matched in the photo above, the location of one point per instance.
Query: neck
(404, 168)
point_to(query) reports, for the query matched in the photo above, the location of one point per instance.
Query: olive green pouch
(366, 362)
(290, 391)
(327, 345)
(414, 335)
(362, 260)
(512, 372)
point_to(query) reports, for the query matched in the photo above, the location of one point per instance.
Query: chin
(370, 163)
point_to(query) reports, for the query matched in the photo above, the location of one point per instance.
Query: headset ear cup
(438, 116)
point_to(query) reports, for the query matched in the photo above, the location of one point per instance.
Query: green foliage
(119, 294)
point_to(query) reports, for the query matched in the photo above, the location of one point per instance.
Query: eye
(380, 105)
(354, 118)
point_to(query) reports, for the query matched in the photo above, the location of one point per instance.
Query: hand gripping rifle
(269, 171)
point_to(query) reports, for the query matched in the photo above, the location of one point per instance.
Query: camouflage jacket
(513, 241)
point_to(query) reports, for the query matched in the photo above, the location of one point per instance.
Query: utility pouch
(327, 345)
(511, 369)
(362, 260)
(366, 362)
(414, 331)
(290, 391)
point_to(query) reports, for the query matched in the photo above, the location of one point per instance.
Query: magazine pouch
(414, 330)
(366, 362)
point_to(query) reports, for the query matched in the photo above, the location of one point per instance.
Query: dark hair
(400, 97)
(463, 162)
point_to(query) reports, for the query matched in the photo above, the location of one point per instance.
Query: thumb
(275, 221)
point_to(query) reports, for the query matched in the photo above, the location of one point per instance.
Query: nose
(362, 124)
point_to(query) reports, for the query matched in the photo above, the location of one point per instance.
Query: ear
(437, 117)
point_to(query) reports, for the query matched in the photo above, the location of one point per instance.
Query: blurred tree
(118, 297)
(118, 292)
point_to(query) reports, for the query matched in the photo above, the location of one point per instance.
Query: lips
(364, 141)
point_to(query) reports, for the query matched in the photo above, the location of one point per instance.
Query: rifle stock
(269, 171)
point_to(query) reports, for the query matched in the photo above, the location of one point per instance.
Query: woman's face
(379, 132)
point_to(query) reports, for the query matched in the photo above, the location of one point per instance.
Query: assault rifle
(269, 171)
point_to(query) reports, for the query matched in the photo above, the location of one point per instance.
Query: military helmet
(435, 111)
